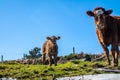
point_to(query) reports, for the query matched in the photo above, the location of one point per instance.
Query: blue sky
(25, 24)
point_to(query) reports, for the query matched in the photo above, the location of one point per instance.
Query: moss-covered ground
(45, 72)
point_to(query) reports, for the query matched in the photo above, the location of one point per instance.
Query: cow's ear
(58, 37)
(48, 38)
(108, 12)
(90, 13)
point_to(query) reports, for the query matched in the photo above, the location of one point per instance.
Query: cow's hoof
(55, 64)
(50, 64)
(114, 65)
(107, 64)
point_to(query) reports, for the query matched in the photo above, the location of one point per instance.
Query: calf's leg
(55, 59)
(43, 58)
(50, 60)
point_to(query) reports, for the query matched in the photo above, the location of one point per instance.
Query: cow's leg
(43, 58)
(107, 54)
(116, 55)
(107, 57)
(50, 60)
(113, 50)
(55, 59)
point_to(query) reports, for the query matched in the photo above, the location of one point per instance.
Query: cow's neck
(101, 35)
(101, 31)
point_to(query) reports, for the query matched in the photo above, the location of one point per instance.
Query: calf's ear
(90, 13)
(58, 37)
(108, 12)
(48, 38)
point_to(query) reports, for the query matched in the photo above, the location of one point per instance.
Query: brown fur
(109, 33)
(50, 48)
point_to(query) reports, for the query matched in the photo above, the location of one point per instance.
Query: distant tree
(73, 50)
(34, 53)
(24, 56)
(1, 58)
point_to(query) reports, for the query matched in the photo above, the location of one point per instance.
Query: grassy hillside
(44, 72)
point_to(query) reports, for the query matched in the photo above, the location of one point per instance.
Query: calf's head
(100, 16)
(53, 38)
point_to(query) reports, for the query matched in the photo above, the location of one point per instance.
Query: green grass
(45, 72)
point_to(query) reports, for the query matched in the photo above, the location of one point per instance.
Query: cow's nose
(100, 16)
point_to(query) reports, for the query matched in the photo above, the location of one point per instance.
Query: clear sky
(25, 24)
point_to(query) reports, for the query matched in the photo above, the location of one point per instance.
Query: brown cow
(50, 48)
(108, 32)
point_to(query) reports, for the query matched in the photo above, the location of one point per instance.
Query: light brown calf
(50, 48)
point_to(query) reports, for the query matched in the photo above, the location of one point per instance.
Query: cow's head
(100, 15)
(53, 38)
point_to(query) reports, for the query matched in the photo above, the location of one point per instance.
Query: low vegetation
(71, 65)
(45, 72)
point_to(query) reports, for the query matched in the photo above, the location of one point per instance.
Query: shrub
(87, 58)
(75, 62)
(71, 56)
